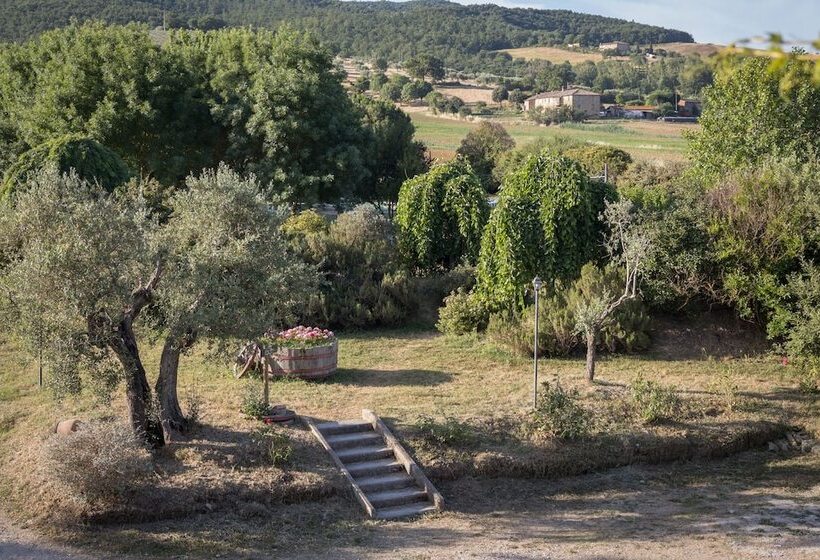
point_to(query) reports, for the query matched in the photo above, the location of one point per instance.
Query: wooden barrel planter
(318, 362)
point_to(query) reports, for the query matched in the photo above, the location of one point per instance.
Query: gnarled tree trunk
(171, 416)
(137, 390)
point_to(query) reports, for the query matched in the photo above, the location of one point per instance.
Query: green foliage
(92, 161)
(440, 217)
(545, 224)
(653, 401)
(415, 90)
(253, 405)
(305, 223)
(555, 115)
(483, 147)
(99, 463)
(799, 317)
(449, 432)
(627, 329)
(425, 65)
(593, 159)
(362, 285)
(558, 414)
(462, 313)
(748, 117)
(392, 155)
(273, 444)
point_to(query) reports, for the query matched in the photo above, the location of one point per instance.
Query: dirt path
(19, 544)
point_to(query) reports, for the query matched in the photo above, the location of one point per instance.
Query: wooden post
(265, 378)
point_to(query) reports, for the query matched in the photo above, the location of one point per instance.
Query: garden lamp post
(536, 284)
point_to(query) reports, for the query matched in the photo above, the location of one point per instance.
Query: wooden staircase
(384, 478)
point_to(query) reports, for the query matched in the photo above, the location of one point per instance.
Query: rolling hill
(395, 30)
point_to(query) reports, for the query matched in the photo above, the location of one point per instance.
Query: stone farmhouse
(581, 100)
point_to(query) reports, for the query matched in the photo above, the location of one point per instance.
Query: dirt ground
(753, 505)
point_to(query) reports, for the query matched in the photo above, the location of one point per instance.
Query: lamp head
(537, 283)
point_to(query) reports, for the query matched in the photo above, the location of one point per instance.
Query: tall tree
(483, 148)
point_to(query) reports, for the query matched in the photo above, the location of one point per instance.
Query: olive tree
(627, 245)
(80, 268)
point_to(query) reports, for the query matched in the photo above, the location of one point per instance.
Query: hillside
(461, 35)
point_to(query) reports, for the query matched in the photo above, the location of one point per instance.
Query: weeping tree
(79, 269)
(628, 246)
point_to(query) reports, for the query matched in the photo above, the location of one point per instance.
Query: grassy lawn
(213, 495)
(644, 140)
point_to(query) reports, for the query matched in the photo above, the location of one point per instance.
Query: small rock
(773, 446)
(782, 444)
(806, 445)
(67, 426)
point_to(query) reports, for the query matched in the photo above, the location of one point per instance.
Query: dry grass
(702, 49)
(400, 375)
(555, 55)
(468, 94)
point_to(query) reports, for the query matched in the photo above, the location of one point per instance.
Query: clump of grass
(653, 401)
(558, 414)
(808, 377)
(273, 444)
(448, 432)
(725, 386)
(253, 405)
(100, 463)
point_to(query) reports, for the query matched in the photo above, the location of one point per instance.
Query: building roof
(563, 93)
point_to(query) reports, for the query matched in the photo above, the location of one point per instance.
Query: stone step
(390, 481)
(344, 427)
(359, 454)
(407, 510)
(354, 439)
(398, 497)
(374, 468)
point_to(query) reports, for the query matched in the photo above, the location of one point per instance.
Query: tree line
(459, 35)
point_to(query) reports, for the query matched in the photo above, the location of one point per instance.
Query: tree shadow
(389, 378)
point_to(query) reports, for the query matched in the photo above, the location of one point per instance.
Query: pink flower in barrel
(304, 352)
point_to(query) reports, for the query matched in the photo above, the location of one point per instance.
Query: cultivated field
(644, 140)
(702, 49)
(554, 54)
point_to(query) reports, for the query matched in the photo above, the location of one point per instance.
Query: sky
(709, 21)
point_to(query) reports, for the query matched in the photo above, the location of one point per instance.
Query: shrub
(462, 313)
(273, 444)
(558, 414)
(253, 405)
(305, 223)
(556, 115)
(593, 159)
(626, 330)
(362, 284)
(653, 401)
(483, 147)
(101, 462)
(447, 432)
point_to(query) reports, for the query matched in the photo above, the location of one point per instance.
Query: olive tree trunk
(592, 339)
(171, 416)
(137, 389)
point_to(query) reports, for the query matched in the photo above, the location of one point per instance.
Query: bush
(448, 432)
(253, 405)
(627, 330)
(101, 462)
(594, 158)
(556, 115)
(273, 444)
(558, 414)
(653, 401)
(363, 285)
(462, 313)
(304, 223)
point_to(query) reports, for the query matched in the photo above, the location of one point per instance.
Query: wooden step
(390, 481)
(354, 439)
(407, 510)
(368, 453)
(384, 478)
(344, 427)
(374, 468)
(401, 496)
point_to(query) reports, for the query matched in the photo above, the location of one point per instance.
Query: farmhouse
(618, 46)
(584, 101)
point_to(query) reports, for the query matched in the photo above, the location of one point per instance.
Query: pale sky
(709, 21)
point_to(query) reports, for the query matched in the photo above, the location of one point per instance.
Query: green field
(644, 140)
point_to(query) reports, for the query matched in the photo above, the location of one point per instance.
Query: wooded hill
(458, 34)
